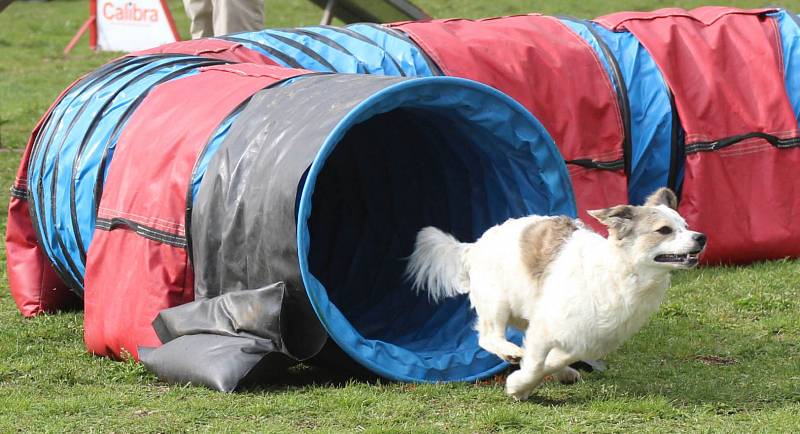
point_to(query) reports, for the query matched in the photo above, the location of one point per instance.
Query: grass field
(722, 355)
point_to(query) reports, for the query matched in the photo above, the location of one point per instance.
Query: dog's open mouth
(686, 259)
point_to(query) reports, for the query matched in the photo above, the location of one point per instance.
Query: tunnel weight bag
(725, 70)
(322, 185)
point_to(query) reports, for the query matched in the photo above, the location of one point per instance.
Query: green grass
(722, 355)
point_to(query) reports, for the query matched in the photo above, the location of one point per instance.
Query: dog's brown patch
(541, 242)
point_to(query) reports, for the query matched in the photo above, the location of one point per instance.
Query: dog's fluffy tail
(437, 265)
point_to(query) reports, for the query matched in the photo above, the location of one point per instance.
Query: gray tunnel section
(244, 232)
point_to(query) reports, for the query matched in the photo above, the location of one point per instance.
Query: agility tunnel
(357, 165)
(197, 170)
(373, 49)
(733, 87)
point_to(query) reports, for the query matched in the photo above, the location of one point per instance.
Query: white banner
(131, 25)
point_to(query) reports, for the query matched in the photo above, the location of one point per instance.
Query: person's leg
(200, 18)
(232, 16)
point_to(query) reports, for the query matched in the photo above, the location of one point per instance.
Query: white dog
(575, 294)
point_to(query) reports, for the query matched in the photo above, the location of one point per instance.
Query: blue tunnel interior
(392, 174)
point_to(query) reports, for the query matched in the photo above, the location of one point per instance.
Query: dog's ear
(663, 196)
(618, 219)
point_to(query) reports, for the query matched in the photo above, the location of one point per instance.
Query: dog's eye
(664, 230)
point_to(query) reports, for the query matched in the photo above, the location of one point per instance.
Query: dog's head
(654, 234)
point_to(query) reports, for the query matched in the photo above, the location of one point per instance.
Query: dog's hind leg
(567, 375)
(491, 328)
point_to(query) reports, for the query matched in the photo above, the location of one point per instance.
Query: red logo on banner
(129, 12)
(127, 25)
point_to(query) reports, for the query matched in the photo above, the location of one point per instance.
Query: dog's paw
(517, 387)
(518, 395)
(568, 376)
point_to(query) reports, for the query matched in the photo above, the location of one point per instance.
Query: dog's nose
(700, 238)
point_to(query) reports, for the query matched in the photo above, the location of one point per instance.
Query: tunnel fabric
(560, 65)
(651, 114)
(144, 215)
(738, 184)
(76, 156)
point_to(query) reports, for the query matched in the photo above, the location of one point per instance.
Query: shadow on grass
(347, 374)
(303, 376)
(328, 368)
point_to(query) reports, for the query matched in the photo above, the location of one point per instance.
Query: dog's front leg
(521, 383)
(541, 359)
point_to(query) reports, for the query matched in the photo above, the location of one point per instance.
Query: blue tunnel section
(789, 28)
(72, 152)
(363, 48)
(651, 114)
(371, 312)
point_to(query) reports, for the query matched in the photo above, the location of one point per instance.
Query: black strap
(168, 238)
(622, 93)
(676, 148)
(601, 165)
(728, 141)
(19, 193)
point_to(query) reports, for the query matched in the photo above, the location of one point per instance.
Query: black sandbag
(254, 313)
(223, 342)
(223, 363)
